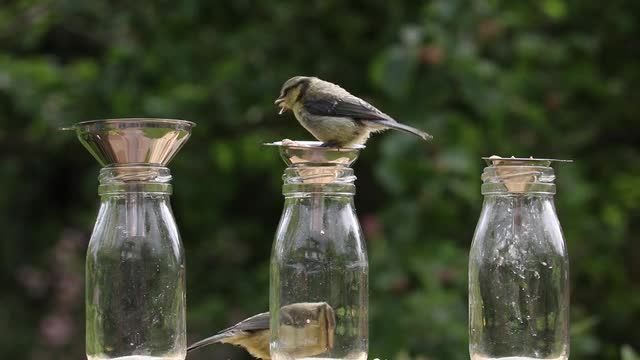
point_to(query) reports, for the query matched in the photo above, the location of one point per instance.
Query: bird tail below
(397, 126)
(208, 341)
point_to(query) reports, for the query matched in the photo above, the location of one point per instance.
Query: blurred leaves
(552, 78)
(629, 354)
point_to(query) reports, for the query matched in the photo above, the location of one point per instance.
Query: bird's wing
(254, 323)
(348, 106)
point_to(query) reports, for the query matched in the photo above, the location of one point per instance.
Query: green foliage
(552, 78)
(629, 354)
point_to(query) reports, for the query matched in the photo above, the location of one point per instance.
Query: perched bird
(306, 329)
(333, 115)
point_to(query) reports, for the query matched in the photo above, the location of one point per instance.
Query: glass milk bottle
(518, 266)
(319, 267)
(135, 268)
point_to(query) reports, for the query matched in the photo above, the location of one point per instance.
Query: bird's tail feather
(397, 126)
(208, 341)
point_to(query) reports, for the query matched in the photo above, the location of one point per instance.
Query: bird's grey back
(258, 322)
(327, 89)
(329, 99)
(254, 323)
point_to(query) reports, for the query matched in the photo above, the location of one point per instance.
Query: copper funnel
(133, 141)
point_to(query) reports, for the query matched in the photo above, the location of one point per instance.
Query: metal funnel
(133, 141)
(518, 175)
(311, 153)
(496, 160)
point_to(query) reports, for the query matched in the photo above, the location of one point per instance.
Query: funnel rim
(185, 123)
(531, 159)
(316, 145)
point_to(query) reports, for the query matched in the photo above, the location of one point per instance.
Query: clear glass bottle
(319, 267)
(518, 266)
(135, 267)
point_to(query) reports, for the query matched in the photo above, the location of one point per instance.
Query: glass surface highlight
(319, 267)
(518, 268)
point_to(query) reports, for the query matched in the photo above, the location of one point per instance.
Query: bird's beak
(280, 102)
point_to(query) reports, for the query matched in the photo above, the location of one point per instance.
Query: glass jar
(135, 269)
(518, 266)
(319, 267)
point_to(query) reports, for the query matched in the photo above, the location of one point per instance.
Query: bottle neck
(318, 180)
(143, 178)
(518, 180)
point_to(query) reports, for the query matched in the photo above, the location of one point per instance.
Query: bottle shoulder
(527, 224)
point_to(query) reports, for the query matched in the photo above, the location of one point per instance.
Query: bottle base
(137, 357)
(482, 357)
(359, 356)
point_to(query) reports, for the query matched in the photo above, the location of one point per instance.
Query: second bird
(333, 115)
(307, 330)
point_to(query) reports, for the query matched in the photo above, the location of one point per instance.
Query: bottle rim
(134, 178)
(328, 180)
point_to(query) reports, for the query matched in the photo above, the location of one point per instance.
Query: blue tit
(307, 328)
(334, 116)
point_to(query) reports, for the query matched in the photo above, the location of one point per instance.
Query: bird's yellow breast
(256, 343)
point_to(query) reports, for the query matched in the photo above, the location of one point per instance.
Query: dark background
(550, 78)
